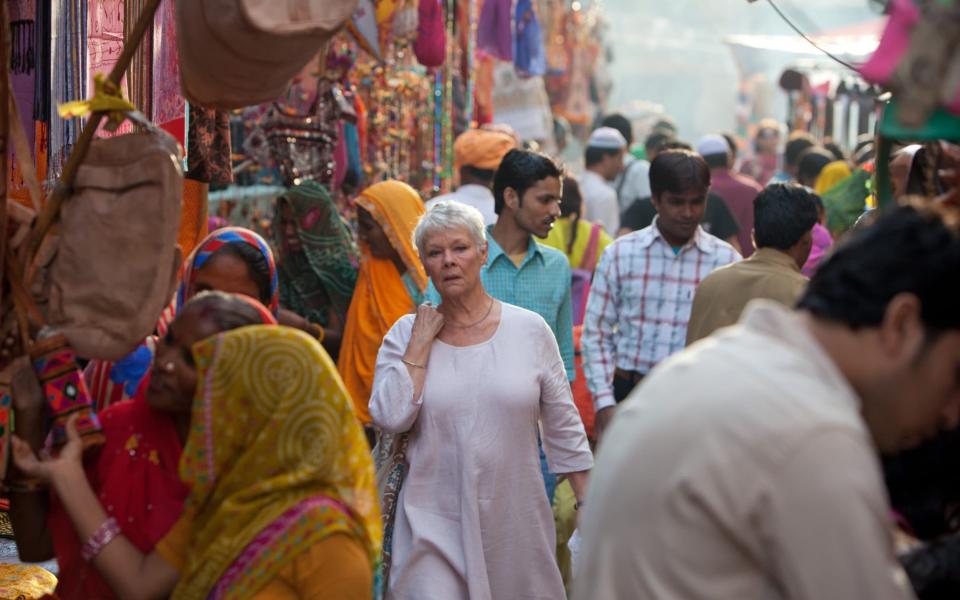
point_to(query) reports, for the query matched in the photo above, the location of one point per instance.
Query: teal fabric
(540, 284)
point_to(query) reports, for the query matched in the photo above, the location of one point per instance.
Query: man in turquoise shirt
(519, 271)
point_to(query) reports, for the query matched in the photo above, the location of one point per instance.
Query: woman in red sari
(135, 473)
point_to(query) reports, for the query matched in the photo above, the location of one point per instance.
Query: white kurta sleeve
(564, 438)
(392, 405)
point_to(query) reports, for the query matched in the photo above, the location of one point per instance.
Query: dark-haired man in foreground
(747, 467)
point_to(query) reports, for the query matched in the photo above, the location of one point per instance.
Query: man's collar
(494, 250)
(775, 257)
(699, 238)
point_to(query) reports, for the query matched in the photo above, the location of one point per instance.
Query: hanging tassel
(23, 51)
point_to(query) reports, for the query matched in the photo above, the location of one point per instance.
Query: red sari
(135, 478)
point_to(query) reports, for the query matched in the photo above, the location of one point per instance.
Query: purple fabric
(821, 245)
(494, 31)
(530, 58)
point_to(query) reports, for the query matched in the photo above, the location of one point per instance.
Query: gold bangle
(413, 364)
(318, 332)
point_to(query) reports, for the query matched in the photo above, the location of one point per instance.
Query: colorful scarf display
(381, 297)
(275, 461)
(324, 274)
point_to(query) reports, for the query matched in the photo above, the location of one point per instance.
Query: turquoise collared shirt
(541, 284)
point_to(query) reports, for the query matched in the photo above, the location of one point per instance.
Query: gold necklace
(474, 324)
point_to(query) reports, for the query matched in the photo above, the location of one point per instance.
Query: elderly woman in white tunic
(469, 381)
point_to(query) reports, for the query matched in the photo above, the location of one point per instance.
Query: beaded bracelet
(100, 538)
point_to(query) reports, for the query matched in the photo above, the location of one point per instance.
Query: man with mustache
(643, 288)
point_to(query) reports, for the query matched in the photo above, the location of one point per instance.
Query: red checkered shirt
(640, 302)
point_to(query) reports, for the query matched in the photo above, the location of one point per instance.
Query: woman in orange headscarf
(390, 284)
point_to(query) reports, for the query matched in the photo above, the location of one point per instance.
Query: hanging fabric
(68, 68)
(529, 56)
(431, 44)
(494, 32)
(140, 74)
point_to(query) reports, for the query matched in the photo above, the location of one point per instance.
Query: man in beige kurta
(784, 217)
(741, 469)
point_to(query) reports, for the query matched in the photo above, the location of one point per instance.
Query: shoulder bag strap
(589, 260)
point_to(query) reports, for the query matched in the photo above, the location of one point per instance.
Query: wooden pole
(4, 131)
(62, 188)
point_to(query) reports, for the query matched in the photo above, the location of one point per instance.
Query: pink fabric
(893, 44)
(738, 193)
(822, 243)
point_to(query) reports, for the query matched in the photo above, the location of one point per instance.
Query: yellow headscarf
(831, 175)
(275, 459)
(380, 297)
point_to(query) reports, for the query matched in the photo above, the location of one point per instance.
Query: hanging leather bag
(236, 53)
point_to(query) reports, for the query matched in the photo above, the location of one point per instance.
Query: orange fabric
(336, 567)
(380, 297)
(193, 215)
(481, 148)
(581, 394)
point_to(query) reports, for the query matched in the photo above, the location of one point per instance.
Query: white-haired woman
(468, 381)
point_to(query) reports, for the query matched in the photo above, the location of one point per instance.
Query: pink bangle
(100, 538)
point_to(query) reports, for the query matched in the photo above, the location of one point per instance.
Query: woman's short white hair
(447, 215)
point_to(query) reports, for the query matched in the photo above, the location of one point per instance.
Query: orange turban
(482, 148)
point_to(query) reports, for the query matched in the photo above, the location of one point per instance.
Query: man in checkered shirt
(643, 288)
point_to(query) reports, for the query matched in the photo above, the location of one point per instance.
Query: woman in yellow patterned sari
(282, 501)
(390, 283)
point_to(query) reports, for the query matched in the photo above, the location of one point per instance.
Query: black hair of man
(907, 250)
(593, 156)
(470, 174)
(520, 170)
(717, 161)
(621, 124)
(678, 145)
(678, 172)
(655, 142)
(811, 163)
(798, 143)
(732, 144)
(835, 149)
(782, 214)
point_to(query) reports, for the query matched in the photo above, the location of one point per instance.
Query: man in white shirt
(746, 466)
(604, 161)
(477, 154)
(634, 182)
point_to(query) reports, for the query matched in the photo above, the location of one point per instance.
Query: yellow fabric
(380, 297)
(106, 98)
(335, 568)
(272, 427)
(481, 148)
(559, 238)
(25, 581)
(831, 175)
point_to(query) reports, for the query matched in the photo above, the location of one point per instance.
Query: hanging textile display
(105, 34)
(23, 73)
(68, 60)
(139, 77)
(168, 105)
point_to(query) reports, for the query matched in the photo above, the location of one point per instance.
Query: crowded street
(480, 299)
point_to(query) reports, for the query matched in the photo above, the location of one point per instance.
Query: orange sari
(380, 297)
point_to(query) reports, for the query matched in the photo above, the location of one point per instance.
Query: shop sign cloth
(116, 265)
(236, 53)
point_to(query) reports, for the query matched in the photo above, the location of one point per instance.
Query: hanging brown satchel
(117, 261)
(236, 53)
